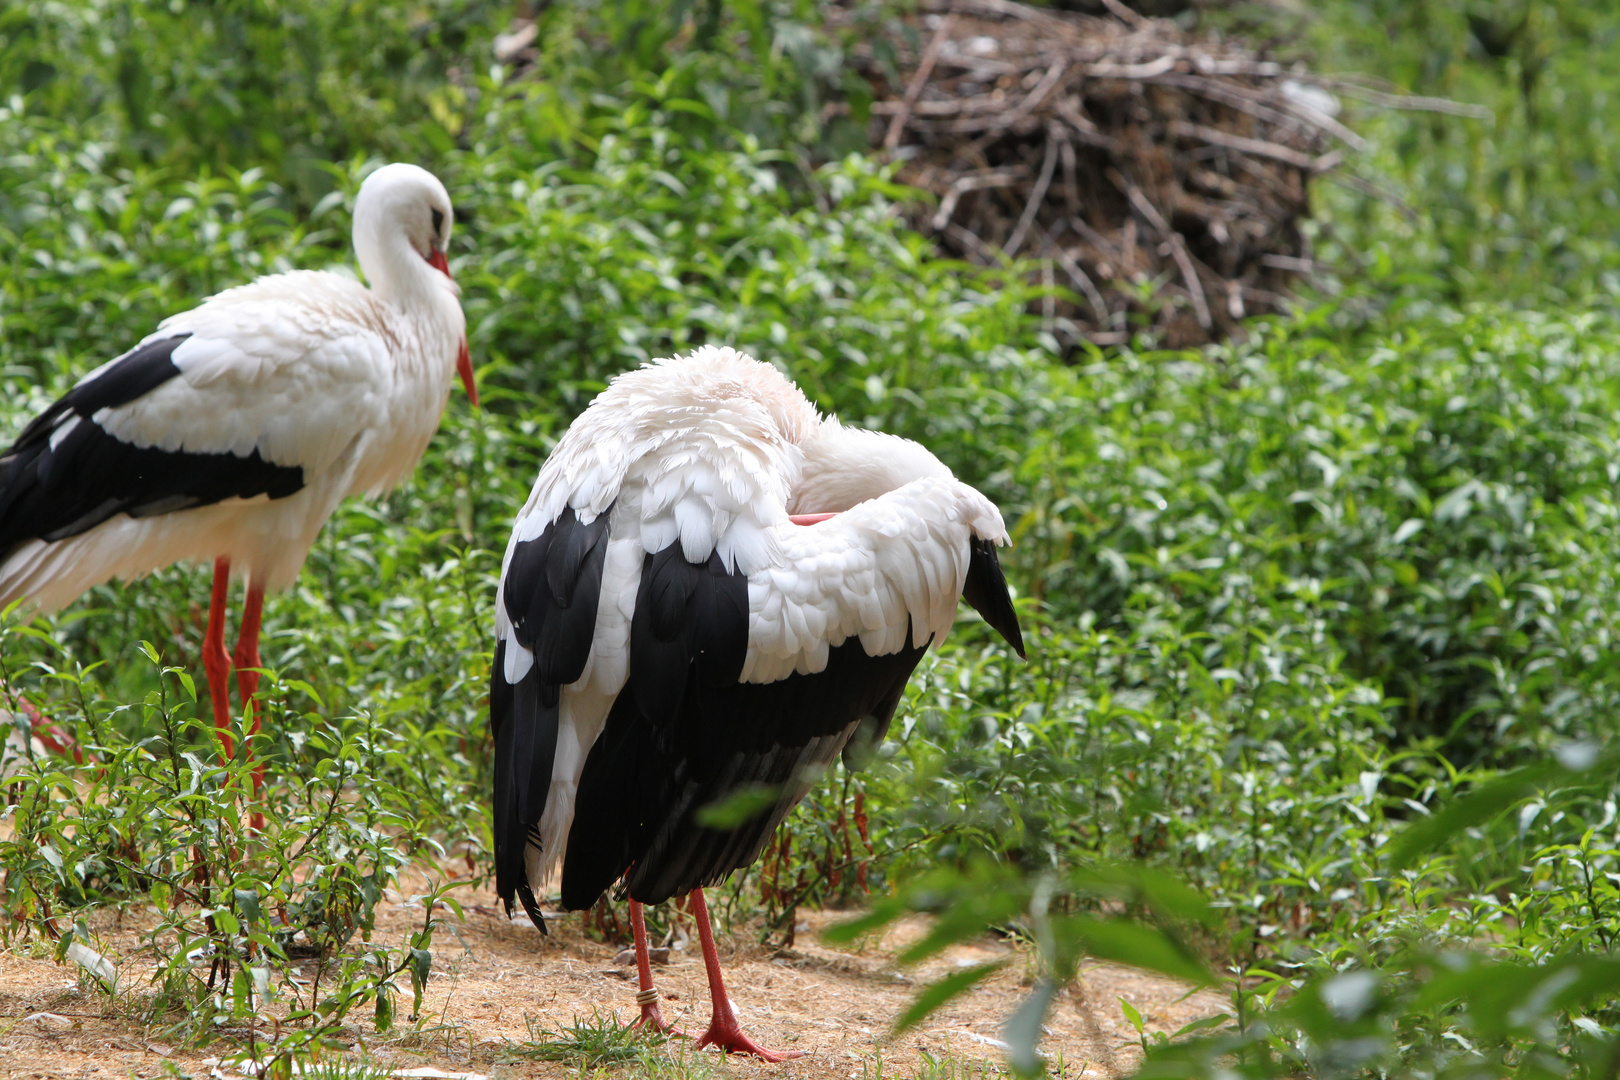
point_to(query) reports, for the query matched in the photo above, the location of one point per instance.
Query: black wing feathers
(53, 492)
(985, 590)
(507, 821)
(685, 734)
(553, 587)
(689, 616)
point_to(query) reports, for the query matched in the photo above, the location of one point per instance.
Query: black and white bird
(234, 430)
(712, 589)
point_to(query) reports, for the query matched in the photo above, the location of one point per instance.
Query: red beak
(809, 519)
(463, 358)
(464, 369)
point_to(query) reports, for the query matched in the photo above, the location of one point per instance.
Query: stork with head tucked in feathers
(711, 589)
(233, 431)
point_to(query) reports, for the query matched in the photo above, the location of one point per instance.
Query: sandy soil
(494, 978)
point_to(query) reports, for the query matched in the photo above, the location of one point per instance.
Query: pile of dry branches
(1160, 177)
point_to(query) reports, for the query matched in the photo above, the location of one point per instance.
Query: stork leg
(215, 660)
(724, 1031)
(246, 660)
(647, 995)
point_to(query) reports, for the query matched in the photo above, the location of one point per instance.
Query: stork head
(402, 220)
(402, 202)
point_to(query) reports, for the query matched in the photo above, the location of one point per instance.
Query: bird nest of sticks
(1160, 178)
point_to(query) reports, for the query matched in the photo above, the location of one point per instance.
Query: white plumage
(671, 623)
(311, 369)
(233, 431)
(716, 450)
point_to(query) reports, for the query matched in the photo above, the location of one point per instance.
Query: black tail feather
(525, 730)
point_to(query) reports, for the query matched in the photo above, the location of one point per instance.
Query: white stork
(233, 431)
(710, 590)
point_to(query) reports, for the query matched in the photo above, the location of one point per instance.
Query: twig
(1094, 238)
(988, 255)
(1367, 187)
(1150, 69)
(1082, 281)
(1025, 107)
(1242, 99)
(1006, 9)
(1036, 195)
(1292, 263)
(1328, 124)
(1258, 147)
(1178, 246)
(1259, 69)
(974, 182)
(1410, 102)
(1124, 14)
(918, 80)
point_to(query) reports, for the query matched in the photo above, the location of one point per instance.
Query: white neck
(394, 269)
(845, 466)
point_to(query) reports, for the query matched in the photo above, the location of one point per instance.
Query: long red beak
(464, 369)
(463, 358)
(809, 519)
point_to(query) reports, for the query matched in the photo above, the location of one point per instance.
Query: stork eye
(438, 222)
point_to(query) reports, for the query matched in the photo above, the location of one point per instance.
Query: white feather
(309, 369)
(713, 451)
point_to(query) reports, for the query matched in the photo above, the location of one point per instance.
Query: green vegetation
(1322, 624)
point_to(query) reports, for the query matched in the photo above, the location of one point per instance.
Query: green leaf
(1576, 764)
(738, 806)
(938, 993)
(1022, 1031)
(247, 902)
(1132, 1015)
(882, 914)
(383, 1016)
(968, 918)
(1127, 942)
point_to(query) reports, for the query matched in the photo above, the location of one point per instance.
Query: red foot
(653, 1020)
(725, 1034)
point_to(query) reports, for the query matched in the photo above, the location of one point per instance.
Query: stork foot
(653, 1020)
(727, 1036)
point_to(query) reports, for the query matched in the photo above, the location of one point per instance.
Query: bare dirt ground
(494, 980)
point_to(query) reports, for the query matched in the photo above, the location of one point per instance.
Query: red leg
(647, 996)
(246, 660)
(215, 662)
(724, 1031)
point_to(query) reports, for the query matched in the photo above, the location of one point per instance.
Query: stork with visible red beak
(234, 431)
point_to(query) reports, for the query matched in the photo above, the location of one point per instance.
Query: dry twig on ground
(1161, 176)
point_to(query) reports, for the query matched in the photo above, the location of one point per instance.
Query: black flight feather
(54, 492)
(552, 591)
(684, 735)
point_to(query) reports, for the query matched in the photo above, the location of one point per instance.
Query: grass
(598, 1041)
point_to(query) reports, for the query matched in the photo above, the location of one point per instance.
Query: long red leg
(724, 1031)
(246, 659)
(215, 661)
(647, 996)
